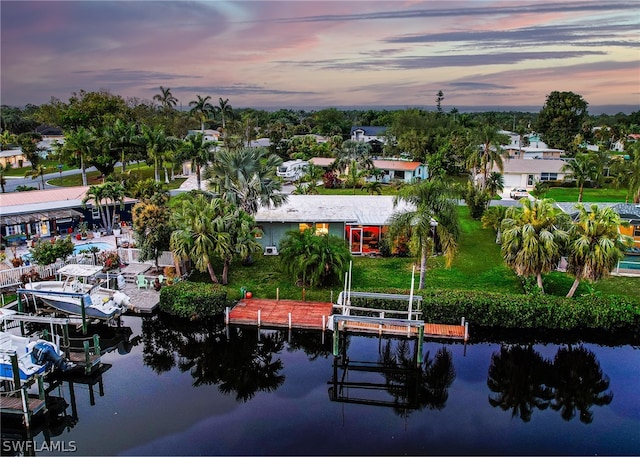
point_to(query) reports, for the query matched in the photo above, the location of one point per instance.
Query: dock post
(466, 331)
(87, 357)
(259, 317)
(336, 343)
(289, 321)
(84, 315)
(21, 310)
(462, 321)
(65, 340)
(226, 315)
(277, 294)
(324, 326)
(420, 341)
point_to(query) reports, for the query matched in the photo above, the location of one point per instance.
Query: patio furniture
(141, 282)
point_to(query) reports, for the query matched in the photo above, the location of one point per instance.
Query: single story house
(393, 169)
(359, 219)
(525, 173)
(50, 212)
(15, 157)
(628, 212)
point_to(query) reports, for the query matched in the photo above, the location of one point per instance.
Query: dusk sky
(314, 54)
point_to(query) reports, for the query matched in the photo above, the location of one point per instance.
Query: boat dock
(280, 313)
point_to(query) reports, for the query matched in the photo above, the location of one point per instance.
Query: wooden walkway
(275, 313)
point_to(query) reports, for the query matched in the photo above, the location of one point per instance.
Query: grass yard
(93, 177)
(52, 167)
(570, 194)
(478, 266)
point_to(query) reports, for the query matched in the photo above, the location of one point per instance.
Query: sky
(307, 54)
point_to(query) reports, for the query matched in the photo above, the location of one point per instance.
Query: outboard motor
(43, 351)
(121, 282)
(122, 300)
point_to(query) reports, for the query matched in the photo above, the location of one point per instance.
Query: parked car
(518, 192)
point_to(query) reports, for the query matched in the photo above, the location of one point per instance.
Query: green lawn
(93, 177)
(478, 266)
(570, 194)
(51, 165)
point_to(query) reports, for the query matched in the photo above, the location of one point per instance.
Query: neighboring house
(393, 169)
(374, 136)
(15, 157)
(50, 212)
(628, 212)
(360, 219)
(535, 149)
(525, 173)
(209, 134)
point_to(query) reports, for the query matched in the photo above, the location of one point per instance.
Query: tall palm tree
(532, 237)
(243, 231)
(198, 235)
(434, 212)
(225, 109)
(104, 196)
(80, 143)
(627, 173)
(490, 152)
(247, 178)
(166, 99)
(353, 151)
(581, 169)
(38, 172)
(199, 151)
(122, 137)
(202, 109)
(158, 145)
(596, 244)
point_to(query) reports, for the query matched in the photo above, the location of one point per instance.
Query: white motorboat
(34, 357)
(78, 286)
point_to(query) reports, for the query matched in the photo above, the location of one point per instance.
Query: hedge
(194, 300)
(489, 309)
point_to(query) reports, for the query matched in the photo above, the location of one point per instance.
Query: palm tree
(198, 235)
(493, 217)
(225, 110)
(627, 173)
(199, 151)
(434, 213)
(247, 178)
(243, 231)
(102, 197)
(489, 153)
(166, 99)
(80, 143)
(38, 172)
(202, 109)
(532, 238)
(495, 183)
(3, 170)
(123, 138)
(596, 244)
(158, 145)
(6, 138)
(350, 152)
(581, 169)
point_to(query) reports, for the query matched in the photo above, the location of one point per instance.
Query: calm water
(174, 389)
(97, 244)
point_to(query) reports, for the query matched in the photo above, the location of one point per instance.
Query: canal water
(176, 388)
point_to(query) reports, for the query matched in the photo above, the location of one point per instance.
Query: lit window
(259, 232)
(304, 226)
(322, 229)
(636, 230)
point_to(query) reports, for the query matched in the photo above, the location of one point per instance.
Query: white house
(393, 169)
(525, 173)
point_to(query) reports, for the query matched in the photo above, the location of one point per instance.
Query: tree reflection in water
(240, 361)
(524, 382)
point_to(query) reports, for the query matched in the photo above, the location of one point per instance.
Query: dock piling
(259, 317)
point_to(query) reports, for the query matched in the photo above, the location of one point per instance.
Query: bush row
(489, 309)
(194, 300)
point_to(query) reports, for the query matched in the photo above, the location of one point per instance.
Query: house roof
(369, 130)
(397, 165)
(350, 209)
(627, 212)
(531, 166)
(42, 200)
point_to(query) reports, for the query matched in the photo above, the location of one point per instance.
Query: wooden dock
(280, 313)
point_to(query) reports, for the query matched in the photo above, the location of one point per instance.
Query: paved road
(14, 182)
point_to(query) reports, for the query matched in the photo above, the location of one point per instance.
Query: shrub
(44, 252)
(488, 309)
(194, 300)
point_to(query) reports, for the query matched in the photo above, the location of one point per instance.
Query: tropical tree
(38, 172)
(490, 151)
(532, 237)
(626, 173)
(561, 119)
(495, 183)
(433, 211)
(152, 229)
(123, 138)
(350, 152)
(580, 169)
(202, 109)
(3, 170)
(166, 99)
(314, 260)
(6, 138)
(158, 145)
(199, 151)
(243, 232)
(29, 144)
(596, 244)
(493, 217)
(104, 197)
(225, 110)
(198, 235)
(79, 144)
(247, 178)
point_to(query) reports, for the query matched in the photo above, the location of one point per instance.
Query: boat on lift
(79, 286)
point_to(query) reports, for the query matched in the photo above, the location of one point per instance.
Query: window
(304, 226)
(322, 229)
(548, 176)
(95, 212)
(259, 232)
(636, 230)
